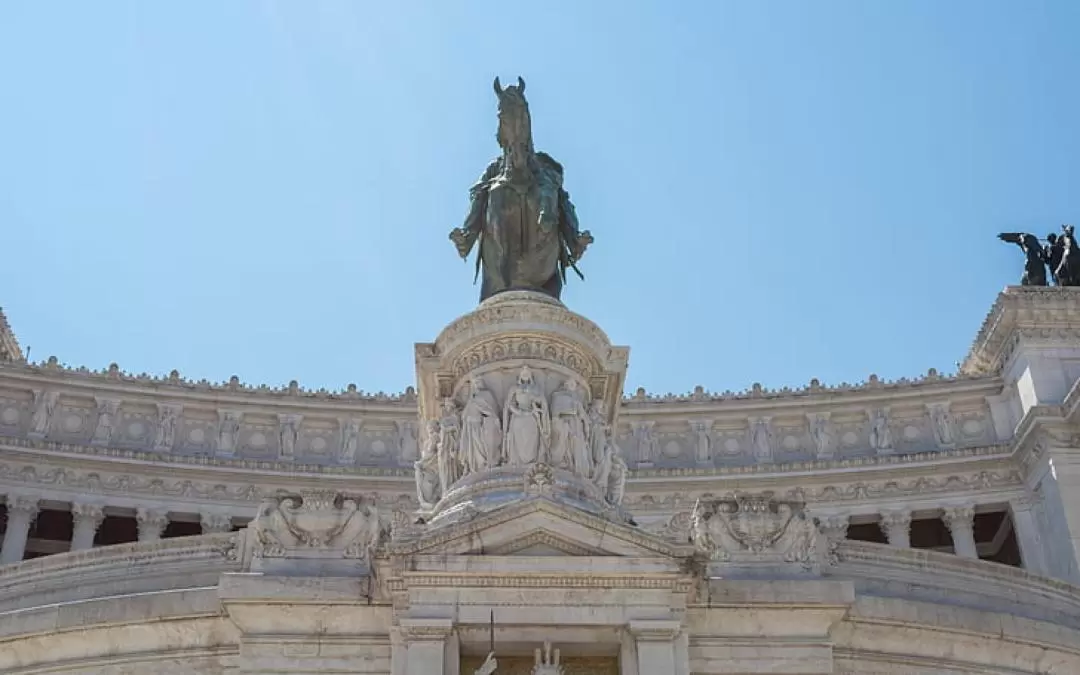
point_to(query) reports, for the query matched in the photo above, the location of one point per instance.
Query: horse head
(515, 124)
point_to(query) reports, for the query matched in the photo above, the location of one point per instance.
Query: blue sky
(778, 190)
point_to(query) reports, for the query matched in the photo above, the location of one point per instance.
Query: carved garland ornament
(514, 348)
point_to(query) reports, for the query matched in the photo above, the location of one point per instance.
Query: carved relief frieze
(754, 529)
(852, 490)
(513, 348)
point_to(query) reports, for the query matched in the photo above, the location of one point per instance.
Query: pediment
(539, 527)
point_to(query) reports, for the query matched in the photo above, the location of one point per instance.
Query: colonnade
(87, 517)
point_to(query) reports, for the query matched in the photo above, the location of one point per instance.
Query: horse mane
(548, 161)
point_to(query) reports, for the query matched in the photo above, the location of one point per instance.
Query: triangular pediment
(539, 527)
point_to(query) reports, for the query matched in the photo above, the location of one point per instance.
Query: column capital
(90, 512)
(834, 526)
(151, 522)
(23, 504)
(896, 518)
(215, 522)
(962, 516)
(654, 630)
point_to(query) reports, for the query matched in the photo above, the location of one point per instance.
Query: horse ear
(521, 85)
(498, 87)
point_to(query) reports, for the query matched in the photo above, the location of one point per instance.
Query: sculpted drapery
(526, 430)
(570, 445)
(527, 423)
(481, 434)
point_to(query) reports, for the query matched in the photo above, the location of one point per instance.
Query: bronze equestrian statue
(520, 214)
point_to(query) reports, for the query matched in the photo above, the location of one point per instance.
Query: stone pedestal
(306, 625)
(767, 626)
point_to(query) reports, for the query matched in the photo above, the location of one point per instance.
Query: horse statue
(1066, 271)
(1035, 263)
(520, 214)
(1061, 255)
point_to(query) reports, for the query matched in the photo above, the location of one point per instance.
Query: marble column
(1028, 536)
(897, 528)
(961, 522)
(655, 641)
(213, 523)
(151, 523)
(21, 512)
(425, 645)
(86, 519)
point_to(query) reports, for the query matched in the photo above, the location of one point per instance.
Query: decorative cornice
(107, 481)
(252, 465)
(672, 581)
(857, 558)
(1035, 312)
(810, 393)
(1001, 450)
(174, 385)
(121, 556)
(855, 489)
(439, 538)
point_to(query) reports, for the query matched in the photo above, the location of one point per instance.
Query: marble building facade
(515, 497)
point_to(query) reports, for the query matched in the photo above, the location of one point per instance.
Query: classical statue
(819, 432)
(103, 432)
(616, 480)
(545, 663)
(880, 433)
(488, 666)
(610, 474)
(166, 428)
(943, 425)
(288, 434)
(228, 431)
(569, 430)
(449, 446)
(526, 423)
(1035, 265)
(44, 407)
(481, 433)
(761, 440)
(647, 443)
(407, 447)
(599, 434)
(350, 439)
(1053, 253)
(1067, 271)
(428, 483)
(520, 214)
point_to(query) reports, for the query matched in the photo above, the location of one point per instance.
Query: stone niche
(511, 330)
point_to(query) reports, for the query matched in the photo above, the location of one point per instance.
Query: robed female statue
(526, 423)
(481, 435)
(569, 422)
